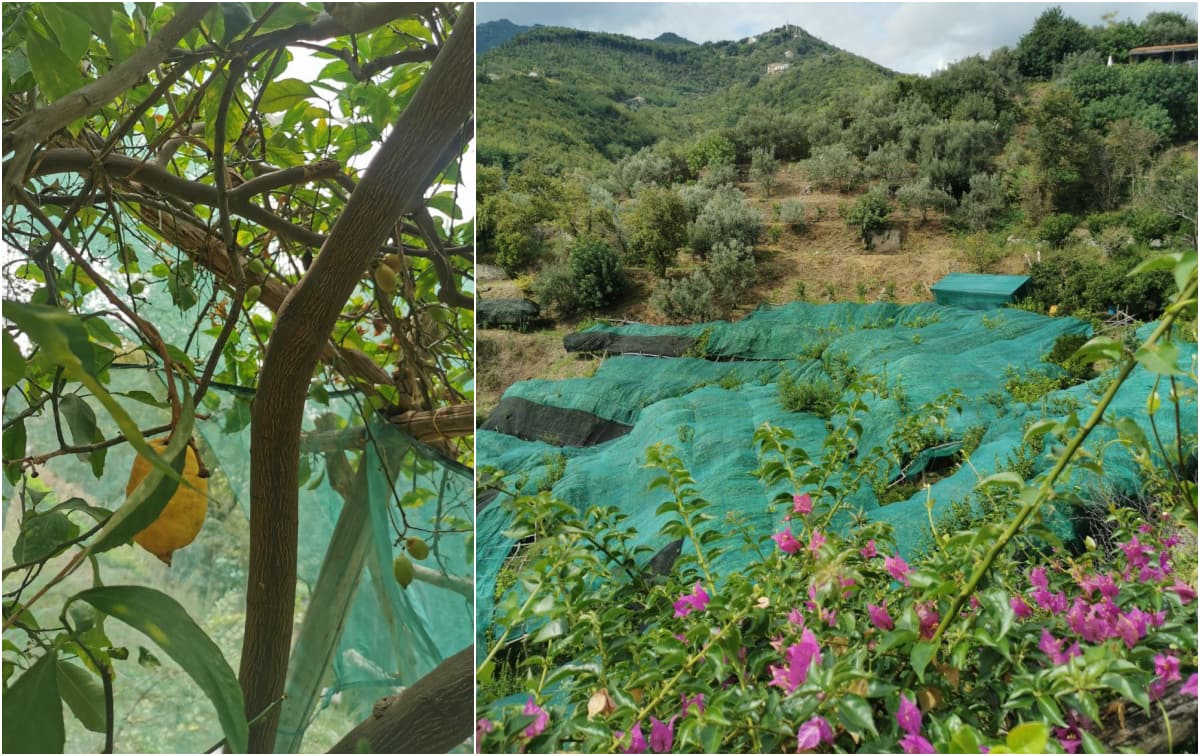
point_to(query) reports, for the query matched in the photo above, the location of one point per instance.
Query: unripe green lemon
(256, 267)
(252, 295)
(393, 261)
(386, 278)
(417, 547)
(402, 570)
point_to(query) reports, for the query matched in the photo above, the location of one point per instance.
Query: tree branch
(393, 184)
(35, 127)
(432, 716)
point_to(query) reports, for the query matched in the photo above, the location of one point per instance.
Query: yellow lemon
(180, 521)
(417, 547)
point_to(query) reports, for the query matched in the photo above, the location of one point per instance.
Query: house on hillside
(1185, 54)
(774, 68)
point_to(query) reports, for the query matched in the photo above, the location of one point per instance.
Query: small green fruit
(417, 547)
(393, 261)
(385, 277)
(256, 267)
(138, 287)
(402, 570)
(252, 295)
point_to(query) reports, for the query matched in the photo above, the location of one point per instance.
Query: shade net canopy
(707, 406)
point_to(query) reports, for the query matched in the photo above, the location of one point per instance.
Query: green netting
(708, 411)
(388, 637)
(978, 291)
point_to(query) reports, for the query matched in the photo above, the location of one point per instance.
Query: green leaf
(74, 34)
(855, 715)
(82, 692)
(56, 74)
(14, 441)
(1158, 262)
(147, 501)
(284, 94)
(33, 716)
(14, 363)
(964, 740)
(165, 622)
(1162, 358)
(1007, 479)
(921, 654)
(444, 203)
(42, 535)
(1029, 737)
(1121, 684)
(1098, 348)
(80, 419)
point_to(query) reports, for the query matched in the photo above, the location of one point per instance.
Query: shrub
(1147, 224)
(982, 203)
(1062, 354)
(1056, 228)
(727, 216)
(656, 228)
(730, 270)
(690, 299)
(763, 168)
(555, 287)
(983, 252)
(833, 167)
(595, 274)
(818, 397)
(645, 166)
(791, 212)
(719, 174)
(870, 214)
(920, 194)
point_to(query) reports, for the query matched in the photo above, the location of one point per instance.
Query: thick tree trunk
(394, 183)
(432, 716)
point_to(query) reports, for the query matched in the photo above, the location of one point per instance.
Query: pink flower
(796, 618)
(696, 701)
(908, 716)
(916, 744)
(801, 504)
(1185, 592)
(1137, 553)
(815, 542)
(799, 657)
(637, 741)
(813, 733)
(897, 568)
(1189, 686)
(1166, 666)
(927, 614)
(1052, 647)
(483, 726)
(868, 551)
(787, 542)
(662, 734)
(538, 726)
(1037, 578)
(1019, 607)
(697, 601)
(880, 617)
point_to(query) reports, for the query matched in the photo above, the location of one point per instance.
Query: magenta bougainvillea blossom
(538, 726)
(897, 568)
(815, 542)
(801, 504)
(1053, 647)
(1189, 686)
(1020, 608)
(868, 551)
(687, 702)
(696, 601)
(908, 716)
(787, 542)
(799, 657)
(880, 617)
(813, 733)
(637, 741)
(662, 734)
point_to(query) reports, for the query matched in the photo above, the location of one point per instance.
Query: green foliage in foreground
(1001, 636)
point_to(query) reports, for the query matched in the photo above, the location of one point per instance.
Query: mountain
(577, 98)
(667, 38)
(495, 33)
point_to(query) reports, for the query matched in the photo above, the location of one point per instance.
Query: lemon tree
(255, 208)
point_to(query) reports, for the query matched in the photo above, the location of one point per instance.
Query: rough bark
(432, 716)
(35, 127)
(1149, 733)
(394, 183)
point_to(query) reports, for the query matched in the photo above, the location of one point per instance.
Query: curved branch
(431, 716)
(35, 127)
(393, 184)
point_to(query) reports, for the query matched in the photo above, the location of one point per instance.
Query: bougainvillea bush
(998, 638)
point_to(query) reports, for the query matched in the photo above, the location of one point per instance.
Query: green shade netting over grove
(708, 410)
(390, 637)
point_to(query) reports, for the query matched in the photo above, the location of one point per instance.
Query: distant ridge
(667, 38)
(495, 33)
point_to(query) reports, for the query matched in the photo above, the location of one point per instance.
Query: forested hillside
(697, 183)
(577, 98)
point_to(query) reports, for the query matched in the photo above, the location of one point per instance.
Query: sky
(907, 37)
